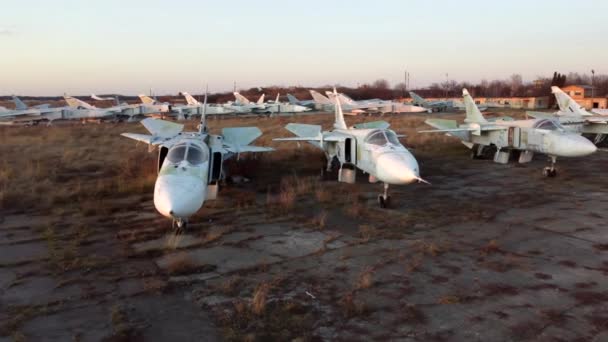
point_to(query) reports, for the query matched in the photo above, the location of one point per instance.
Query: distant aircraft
(190, 163)
(151, 106)
(435, 106)
(306, 103)
(545, 136)
(370, 147)
(376, 105)
(194, 107)
(575, 118)
(86, 112)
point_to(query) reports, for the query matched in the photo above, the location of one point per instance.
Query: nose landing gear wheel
(384, 200)
(550, 171)
(179, 225)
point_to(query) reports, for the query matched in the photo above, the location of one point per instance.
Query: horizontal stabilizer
(373, 124)
(304, 130)
(148, 139)
(240, 136)
(162, 128)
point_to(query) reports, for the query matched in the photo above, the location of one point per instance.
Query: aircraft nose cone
(573, 146)
(178, 196)
(397, 168)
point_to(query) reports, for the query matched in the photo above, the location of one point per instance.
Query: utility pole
(592, 87)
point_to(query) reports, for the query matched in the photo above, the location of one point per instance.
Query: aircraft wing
(247, 148)
(540, 115)
(373, 124)
(317, 138)
(148, 139)
(20, 113)
(162, 128)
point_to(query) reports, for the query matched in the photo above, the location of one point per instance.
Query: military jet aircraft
(434, 106)
(545, 136)
(575, 118)
(190, 163)
(370, 147)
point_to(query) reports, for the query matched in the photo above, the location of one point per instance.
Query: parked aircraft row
(190, 163)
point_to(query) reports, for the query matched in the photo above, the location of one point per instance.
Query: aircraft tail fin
(75, 103)
(190, 99)
(240, 99)
(567, 104)
(417, 99)
(277, 99)
(19, 105)
(145, 99)
(473, 114)
(340, 123)
(261, 99)
(292, 99)
(319, 98)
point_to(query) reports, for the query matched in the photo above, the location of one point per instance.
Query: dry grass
(258, 303)
(366, 279)
(179, 263)
(320, 220)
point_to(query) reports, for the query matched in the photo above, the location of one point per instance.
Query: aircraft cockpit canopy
(381, 138)
(192, 153)
(548, 124)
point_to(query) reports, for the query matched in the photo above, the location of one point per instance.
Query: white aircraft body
(545, 136)
(306, 103)
(575, 118)
(377, 105)
(190, 163)
(86, 112)
(434, 106)
(193, 107)
(370, 147)
(151, 106)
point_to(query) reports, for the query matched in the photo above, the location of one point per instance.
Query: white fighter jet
(194, 108)
(190, 163)
(433, 106)
(375, 105)
(575, 118)
(545, 136)
(370, 147)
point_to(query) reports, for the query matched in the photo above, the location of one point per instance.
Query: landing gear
(384, 200)
(179, 225)
(550, 171)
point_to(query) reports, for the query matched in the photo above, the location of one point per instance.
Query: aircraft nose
(178, 196)
(397, 168)
(573, 146)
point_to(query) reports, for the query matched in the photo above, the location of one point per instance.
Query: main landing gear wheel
(179, 225)
(384, 200)
(550, 171)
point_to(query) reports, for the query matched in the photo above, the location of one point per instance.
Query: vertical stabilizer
(277, 99)
(202, 128)
(261, 99)
(240, 99)
(340, 123)
(19, 105)
(319, 98)
(292, 99)
(146, 99)
(190, 99)
(417, 100)
(473, 113)
(566, 104)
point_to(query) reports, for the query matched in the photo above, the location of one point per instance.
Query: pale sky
(51, 47)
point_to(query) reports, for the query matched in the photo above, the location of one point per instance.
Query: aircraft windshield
(192, 153)
(196, 155)
(377, 138)
(548, 124)
(392, 138)
(177, 154)
(381, 138)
